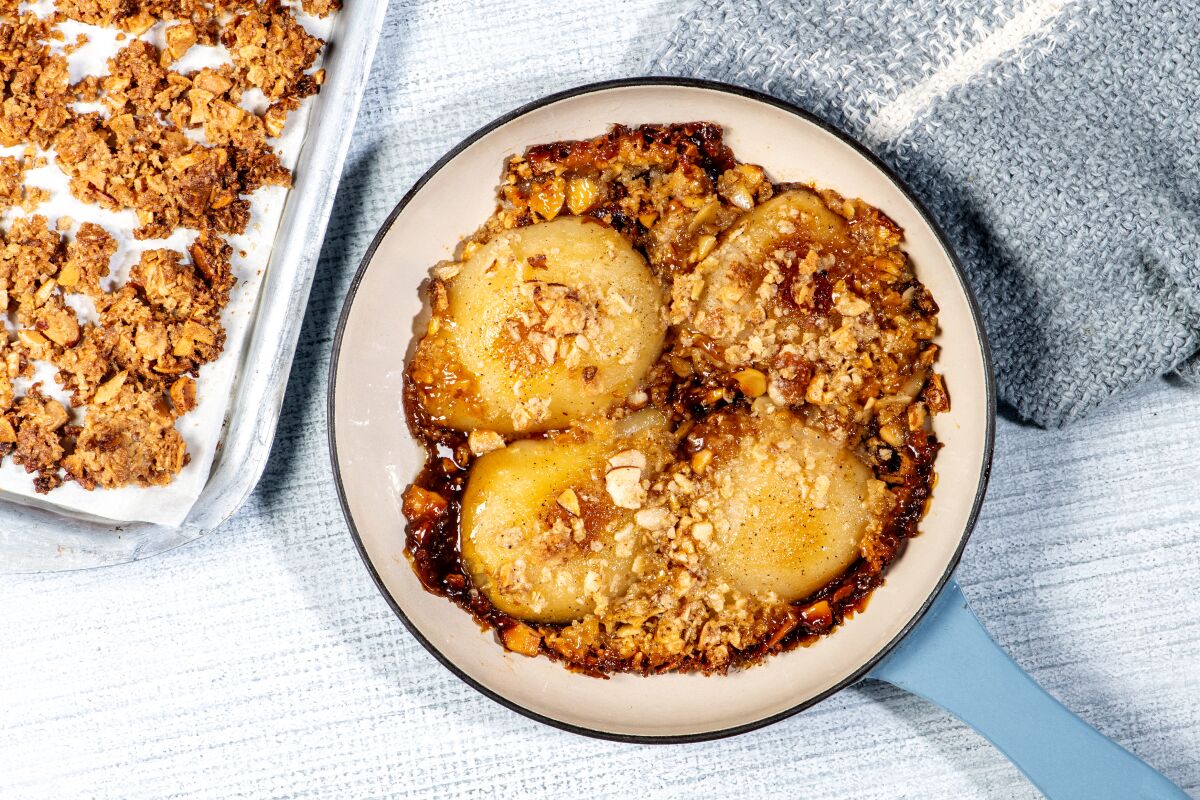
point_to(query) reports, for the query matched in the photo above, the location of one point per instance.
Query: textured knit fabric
(1055, 142)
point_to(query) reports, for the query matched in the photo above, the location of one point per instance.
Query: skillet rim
(980, 333)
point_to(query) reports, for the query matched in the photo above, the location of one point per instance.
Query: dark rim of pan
(989, 387)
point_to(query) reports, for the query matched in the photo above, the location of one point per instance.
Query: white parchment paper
(202, 428)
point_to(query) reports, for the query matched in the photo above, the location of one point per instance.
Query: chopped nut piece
(447, 271)
(628, 458)
(191, 333)
(45, 291)
(623, 485)
(481, 442)
(816, 392)
(741, 184)
(183, 395)
(704, 246)
(58, 323)
(751, 382)
(652, 518)
(108, 390)
(892, 434)
(935, 394)
(180, 39)
(31, 339)
(741, 198)
(570, 501)
(850, 305)
(520, 638)
(275, 120)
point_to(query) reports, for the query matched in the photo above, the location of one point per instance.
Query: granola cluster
(13, 191)
(138, 16)
(771, 364)
(181, 151)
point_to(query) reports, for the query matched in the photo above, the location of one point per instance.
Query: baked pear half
(796, 505)
(750, 276)
(539, 327)
(548, 529)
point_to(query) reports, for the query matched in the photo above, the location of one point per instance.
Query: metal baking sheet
(41, 539)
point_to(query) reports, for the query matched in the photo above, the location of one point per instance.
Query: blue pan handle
(949, 659)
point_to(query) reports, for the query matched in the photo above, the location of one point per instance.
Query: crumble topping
(35, 95)
(128, 437)
(138, 16)
(89, 255)
(13, 191)
(655, 184)
(322, 8)
(180, 151)
(273, 52)
(791, 309)
(40, 423)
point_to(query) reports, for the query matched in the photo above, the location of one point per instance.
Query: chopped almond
(108, 390)
(520, 638)
(751, 382)
(547, 198)
(481, 442)
(623, 485)
(570, 501)
(183, 395)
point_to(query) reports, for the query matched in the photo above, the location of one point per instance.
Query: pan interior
(375, 457)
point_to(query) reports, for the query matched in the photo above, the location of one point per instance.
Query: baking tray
(36, 539)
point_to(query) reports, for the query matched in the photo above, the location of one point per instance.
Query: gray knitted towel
(1058, 144)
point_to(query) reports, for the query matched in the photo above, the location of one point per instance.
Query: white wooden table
(261, 661)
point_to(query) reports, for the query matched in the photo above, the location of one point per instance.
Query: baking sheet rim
(42, 539)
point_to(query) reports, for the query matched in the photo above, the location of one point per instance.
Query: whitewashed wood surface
(261, 662)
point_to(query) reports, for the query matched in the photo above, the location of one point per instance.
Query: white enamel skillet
(916, 632)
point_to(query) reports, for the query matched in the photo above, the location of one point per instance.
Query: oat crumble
(179, 150)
